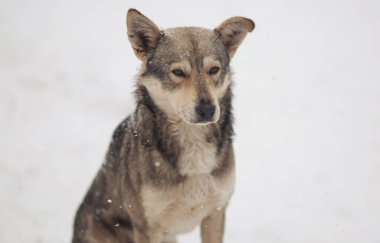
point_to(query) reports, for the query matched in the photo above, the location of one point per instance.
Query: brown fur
(170, 165)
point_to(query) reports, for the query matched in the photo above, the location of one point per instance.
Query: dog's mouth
(204, 123)
(200, 123)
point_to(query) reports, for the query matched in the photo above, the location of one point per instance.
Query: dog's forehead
(192, 42)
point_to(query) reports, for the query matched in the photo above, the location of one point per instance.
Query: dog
(170, 165)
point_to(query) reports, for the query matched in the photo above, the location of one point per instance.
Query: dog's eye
(214, 70)
(179, 73)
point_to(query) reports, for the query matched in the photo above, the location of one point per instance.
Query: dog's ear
(142, 33)
(233, 31)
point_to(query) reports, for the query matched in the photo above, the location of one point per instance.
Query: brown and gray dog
(170, 165)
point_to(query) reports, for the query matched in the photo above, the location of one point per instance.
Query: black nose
(205, 111)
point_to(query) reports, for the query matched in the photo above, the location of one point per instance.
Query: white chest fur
(181, 207)
(197, 155)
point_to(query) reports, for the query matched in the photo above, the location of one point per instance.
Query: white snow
(307, 98)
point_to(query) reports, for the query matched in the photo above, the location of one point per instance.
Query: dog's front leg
(212, 227)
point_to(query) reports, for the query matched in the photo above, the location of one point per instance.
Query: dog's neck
(170, 135)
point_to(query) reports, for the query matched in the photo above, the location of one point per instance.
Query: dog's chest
(198, 156)
(182, 207)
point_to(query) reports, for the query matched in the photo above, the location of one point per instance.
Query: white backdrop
(307, 98)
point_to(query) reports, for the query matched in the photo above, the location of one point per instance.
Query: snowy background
(307, 105)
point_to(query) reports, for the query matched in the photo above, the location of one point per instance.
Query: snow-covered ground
(307, 105)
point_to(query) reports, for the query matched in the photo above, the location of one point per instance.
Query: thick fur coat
(170, 165)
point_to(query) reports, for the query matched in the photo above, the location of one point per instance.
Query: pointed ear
(143, 34)
(233, 31)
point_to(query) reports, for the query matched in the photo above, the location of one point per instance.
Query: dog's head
(186, 70)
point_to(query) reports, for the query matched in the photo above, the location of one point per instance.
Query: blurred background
(307, 98)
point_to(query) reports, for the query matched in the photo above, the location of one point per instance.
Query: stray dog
(170, 165)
